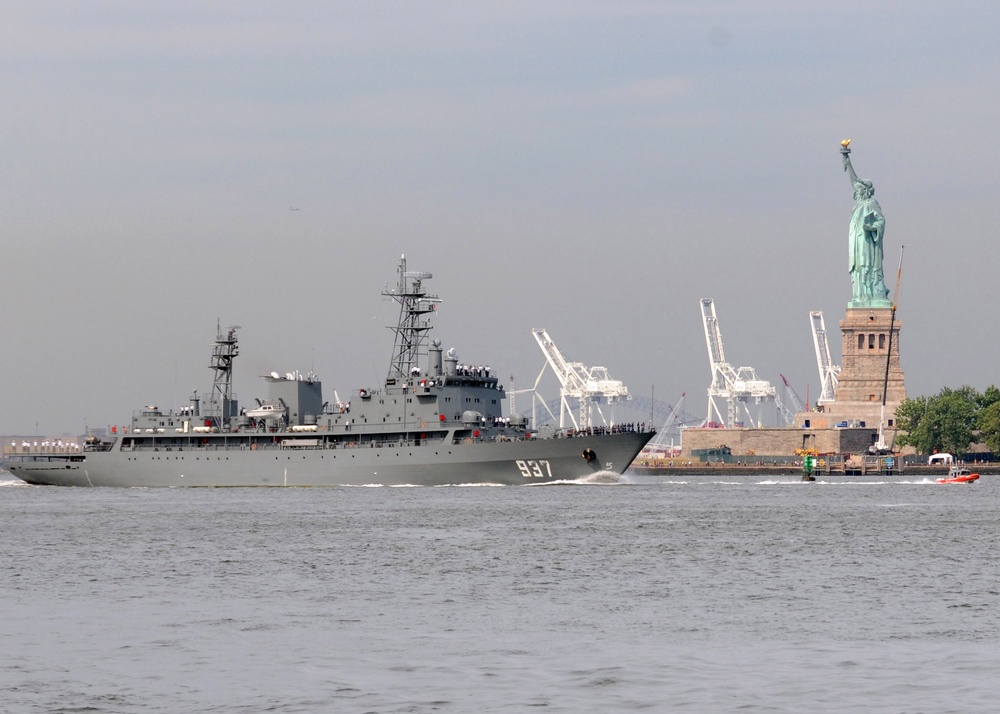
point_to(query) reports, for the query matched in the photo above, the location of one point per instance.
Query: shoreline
(921, 470)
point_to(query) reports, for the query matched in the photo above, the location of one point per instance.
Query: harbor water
(680, 593)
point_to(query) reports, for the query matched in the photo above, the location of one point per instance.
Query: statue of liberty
(865, 246)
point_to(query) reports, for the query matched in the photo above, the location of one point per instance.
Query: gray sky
(593, 168)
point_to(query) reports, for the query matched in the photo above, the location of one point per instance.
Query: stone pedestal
(865, 349)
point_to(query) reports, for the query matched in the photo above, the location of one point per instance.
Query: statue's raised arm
(848, 167)
(845, 151)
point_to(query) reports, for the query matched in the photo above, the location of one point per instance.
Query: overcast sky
(593, 168)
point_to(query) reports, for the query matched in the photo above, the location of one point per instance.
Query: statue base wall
(866, 350)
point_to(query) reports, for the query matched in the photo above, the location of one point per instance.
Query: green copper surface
(865, 243)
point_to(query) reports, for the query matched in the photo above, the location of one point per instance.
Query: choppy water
(682, 594)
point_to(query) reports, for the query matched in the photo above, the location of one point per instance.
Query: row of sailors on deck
(468, 370)
(614, 429)
(57, 444)
(464, 370)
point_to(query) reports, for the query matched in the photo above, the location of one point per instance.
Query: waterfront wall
(778, 442)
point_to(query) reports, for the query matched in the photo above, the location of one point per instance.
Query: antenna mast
(225, 351)
(412, 328)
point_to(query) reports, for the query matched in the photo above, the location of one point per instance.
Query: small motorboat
(958, 474)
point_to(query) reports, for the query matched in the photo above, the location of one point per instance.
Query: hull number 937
(534, 469)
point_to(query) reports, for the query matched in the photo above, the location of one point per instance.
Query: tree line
(950, 421)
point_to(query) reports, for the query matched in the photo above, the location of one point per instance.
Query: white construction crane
(740, 386)
(829, 373)
(590, 386)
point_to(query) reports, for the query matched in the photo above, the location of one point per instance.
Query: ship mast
(222, 400)
(413, 325)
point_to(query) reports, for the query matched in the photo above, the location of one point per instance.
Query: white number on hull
(534, 469)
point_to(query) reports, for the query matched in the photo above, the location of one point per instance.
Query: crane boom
(880, 445)
(590, 386)
(829, 373)
(738, 386)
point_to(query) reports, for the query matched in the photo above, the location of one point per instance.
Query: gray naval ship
(435, 422)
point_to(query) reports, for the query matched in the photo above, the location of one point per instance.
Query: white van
(940, 459)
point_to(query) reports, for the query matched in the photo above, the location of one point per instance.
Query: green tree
(910, 421)
(989, 426)
(989, 397)
(945, 422)
(954, 415)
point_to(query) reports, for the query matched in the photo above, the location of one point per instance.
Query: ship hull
(514, 462)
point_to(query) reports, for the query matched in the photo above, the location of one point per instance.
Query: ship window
(881, 341)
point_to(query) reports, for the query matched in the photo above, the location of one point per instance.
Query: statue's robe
(865, 249)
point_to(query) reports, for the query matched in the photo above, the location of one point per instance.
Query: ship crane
(738, 387)
(829, 373)
(590, 386)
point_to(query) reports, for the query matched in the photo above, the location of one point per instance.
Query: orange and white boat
(959, 475)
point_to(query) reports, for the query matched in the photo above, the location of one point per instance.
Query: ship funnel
(434, 367)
